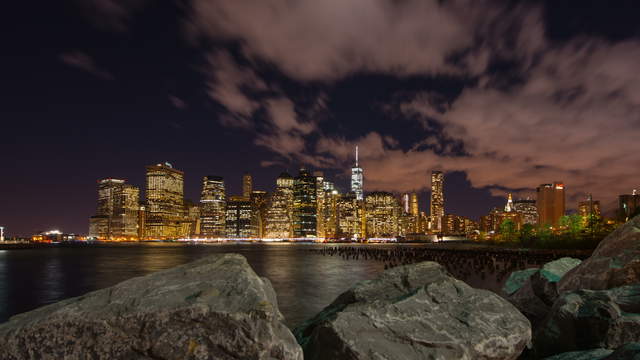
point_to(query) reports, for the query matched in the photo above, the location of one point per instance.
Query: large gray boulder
(589, 319)
(614, 263)
(629, 351)
(533, 291)
(415, 311)
(213, 308)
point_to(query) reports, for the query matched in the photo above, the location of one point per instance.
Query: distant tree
(526, 235)
(544, 234)
(572, 225)
(508, 230)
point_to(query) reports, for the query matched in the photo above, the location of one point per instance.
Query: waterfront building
(458, 225)
(550, 203)
(628, 205)
(357, 179)
(1, 233)
(305, 206)
(192, 219)
(213, 207)
(528, 210)
(240, 218)
(382, 212)
(406, 224)
(330, 213)
(320, 204)
(589, 210)
(165, 202)
(260, 201)
(117, 211)
(437, 200)
(350, 217)
(247, 185)
(415, 209)
(404, 199)
(279, 217)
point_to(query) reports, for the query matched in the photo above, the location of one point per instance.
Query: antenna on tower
(356, 155)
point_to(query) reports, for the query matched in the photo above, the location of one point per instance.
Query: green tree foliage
(527, 235)
(508, 230)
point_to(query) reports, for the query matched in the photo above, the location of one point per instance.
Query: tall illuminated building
(213, 207)
(247, 185)
(357, 179)
(320, 204)
(527, 208)
(382, 212)
(437, 200)
(305, 206)
(589, 210)
(351, 219)
(117, 211)
(404, 201)
(414, 208)
(550, 203)
(279, 217)
(260, 200)
(240, 218)
(191, 224)
(330, 212)
(165, 202)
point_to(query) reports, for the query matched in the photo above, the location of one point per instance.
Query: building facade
(350, 217)
(213, 205)
(260, 201)
(165, 202)
(117, 211)
(305, 206)
(279, 217)
(247, 185)
(528, 209)
(550, 203)
(382, 212)
(240, 218)
(437, 200)
(628, 205)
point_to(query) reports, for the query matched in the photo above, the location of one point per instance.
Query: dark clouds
(84, 62)
(557, 111)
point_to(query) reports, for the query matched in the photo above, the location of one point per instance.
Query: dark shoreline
(453, 246)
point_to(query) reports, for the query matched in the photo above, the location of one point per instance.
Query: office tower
(415, 209)
(240, 218)
(350, 217)
(1, 233)
(382, 212)
(527, 208)
(192, 219)
(589, 211)
(280, 211)
(357, 179)
(320, 203)
(437, 200)
(550, 203)
(330, 213)
(213, 207)
(305, 205)
(404, 199)
(628, 206)
(458, 225)
(117, 211)
(247, 185)
(165, 202)
(260, 201)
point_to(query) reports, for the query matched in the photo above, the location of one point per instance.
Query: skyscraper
(247, 185)
(213, 207)
(320, 203)
(357, 179)
(240, 218)
(405, 203)
(279, 216)
(528, 209)
(437, 200)
(382, 213)
(350, 216)
(260, 200)
(305, 205)
(589, 210)
(165, 202)
(414, 208)
(117, 211)
(550, 203)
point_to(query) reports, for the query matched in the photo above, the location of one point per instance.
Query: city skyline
(500, 96)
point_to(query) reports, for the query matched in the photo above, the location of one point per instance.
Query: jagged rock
(614, 263)
(213, 308)
(517, 279)
(415, 312)
(544, 282)
(629, 351)
(535, 289)
(595, 354)
(589, 319)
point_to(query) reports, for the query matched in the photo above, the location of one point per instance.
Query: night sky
(502, 95)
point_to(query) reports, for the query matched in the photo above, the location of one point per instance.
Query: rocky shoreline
(218, 308)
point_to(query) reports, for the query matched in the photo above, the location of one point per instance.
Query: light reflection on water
(304, 281)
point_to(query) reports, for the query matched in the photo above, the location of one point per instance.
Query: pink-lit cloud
(84, 62)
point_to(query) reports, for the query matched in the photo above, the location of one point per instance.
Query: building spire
(356, 155)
